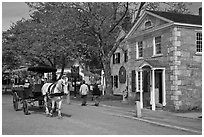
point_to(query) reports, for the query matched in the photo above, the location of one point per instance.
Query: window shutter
(112, 81)
(133, 81)
(118, 57)
(113, 58)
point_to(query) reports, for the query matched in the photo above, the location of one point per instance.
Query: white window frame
(137, 50)
(147, 27)
(197, 52)
(154, 47)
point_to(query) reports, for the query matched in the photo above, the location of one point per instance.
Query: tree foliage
(88, 31)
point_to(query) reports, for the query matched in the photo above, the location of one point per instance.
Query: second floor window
(139, 49)
(126, 56)
(157, 45)
(116, 58)
(199, 42)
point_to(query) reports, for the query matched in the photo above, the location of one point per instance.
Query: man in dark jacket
(96, 94)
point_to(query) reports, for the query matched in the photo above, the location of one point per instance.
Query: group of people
(84, 89)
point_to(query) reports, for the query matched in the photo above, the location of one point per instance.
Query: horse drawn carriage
(25, 91)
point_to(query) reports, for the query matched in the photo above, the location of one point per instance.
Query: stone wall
(183, 66)
(185, 71)
(189, 70)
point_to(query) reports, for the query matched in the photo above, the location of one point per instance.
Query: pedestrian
(84, 91)
(96, 94)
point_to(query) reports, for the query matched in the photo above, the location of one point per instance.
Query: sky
(14, 11)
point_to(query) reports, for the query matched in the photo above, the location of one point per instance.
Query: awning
(152, 64)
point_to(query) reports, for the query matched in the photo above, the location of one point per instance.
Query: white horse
(54, 92)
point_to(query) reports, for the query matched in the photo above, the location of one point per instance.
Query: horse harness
(51, 93)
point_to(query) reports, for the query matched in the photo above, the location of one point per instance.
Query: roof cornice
(185, 24)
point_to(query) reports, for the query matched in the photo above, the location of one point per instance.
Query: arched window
(148, 24)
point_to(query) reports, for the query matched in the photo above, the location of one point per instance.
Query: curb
(155, 123)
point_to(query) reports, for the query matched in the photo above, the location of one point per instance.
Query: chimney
(200, 11)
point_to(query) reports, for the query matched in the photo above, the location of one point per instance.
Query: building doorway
(158, 87)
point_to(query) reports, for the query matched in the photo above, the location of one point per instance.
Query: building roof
(180, 18)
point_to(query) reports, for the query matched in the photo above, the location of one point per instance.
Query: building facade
(163, 64)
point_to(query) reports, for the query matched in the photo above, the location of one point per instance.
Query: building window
(139, 50)
(116, 81)
(116, 58)
(148, 24)
(199, 42)
(113, 58)
(112, 84)
(157, 45)
(126, 56)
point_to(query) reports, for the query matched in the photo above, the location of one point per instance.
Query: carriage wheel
(25, 107)
(15, 101)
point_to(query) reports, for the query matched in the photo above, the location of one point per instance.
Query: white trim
(145, 13)
(137, 85)
(145, 64)
(185, 24)
(141, 89)
(154, 47)
(134, 26)
(157, 55)
(146, 27)
(150, 30)
(197, 53)
(136, 50)
(153, 90)
(164, 87)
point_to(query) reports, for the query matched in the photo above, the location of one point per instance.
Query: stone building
(162, 50)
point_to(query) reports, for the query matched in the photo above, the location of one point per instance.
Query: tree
(56, 29)
(44, 39)
(104, 26)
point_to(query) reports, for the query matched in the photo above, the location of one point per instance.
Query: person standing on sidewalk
(83, 91)
(96, 94)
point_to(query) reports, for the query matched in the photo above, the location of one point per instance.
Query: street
(77, 120)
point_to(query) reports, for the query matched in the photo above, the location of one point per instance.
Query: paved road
(78, 120)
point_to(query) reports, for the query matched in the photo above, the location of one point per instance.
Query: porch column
(141, 90)
(153, 89)
(164, 87)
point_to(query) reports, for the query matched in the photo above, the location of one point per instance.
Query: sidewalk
(181, 121)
